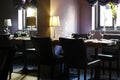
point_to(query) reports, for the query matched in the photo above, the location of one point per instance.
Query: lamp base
(6, 31)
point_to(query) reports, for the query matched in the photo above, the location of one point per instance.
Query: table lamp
(54, 22)
(7, 24)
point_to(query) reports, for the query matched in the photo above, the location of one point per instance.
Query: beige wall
(75, 16)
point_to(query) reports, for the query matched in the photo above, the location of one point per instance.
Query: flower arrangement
(114, 9)
(114, 12)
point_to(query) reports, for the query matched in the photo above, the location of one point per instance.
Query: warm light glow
(31, 12)
(54, 21)
(7, 22)
(31, 21)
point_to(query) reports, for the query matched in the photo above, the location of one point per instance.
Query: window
(23, 14)
(106, 16)
(21, 18)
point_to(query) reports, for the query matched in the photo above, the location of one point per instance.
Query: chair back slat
(43, 47)
(6, 56)
(74, 52)
(4, 41)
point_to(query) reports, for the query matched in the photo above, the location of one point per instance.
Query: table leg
(25, 69)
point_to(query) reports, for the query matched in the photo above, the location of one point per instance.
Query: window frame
(96, 19)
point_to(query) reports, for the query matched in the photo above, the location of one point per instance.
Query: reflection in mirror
(31, 18)
(29, 14)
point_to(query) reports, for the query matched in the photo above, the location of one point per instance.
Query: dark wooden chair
(7, 52)
(75, 56)
(23, 48)
(46, 56)
(112, 53)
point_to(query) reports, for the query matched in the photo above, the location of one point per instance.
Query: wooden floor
(32, 74)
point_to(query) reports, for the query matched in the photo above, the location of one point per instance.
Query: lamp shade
(30, 21)
(7, 22)
(54, 21)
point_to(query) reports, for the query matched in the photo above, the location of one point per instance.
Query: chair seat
(55, 60)
(104, 57)
(31, 49)
(94, 62)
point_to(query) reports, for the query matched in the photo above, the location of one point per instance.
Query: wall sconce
(54, 22)
(7, 24)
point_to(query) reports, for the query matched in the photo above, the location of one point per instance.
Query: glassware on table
(89, 35)
(92, 34)
(102, 34)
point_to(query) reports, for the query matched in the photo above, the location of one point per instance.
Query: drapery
(23, 3)
(103, 2)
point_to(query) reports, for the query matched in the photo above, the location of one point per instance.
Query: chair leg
(103, 67)
(10, 71)
(66, 72)
(10, 74)
(78, 71)
(85, 74)
(97, 72)
(38, 72)
(61, 69)
(91, 71)
(52, 72)
(118, 67)
(110, 66)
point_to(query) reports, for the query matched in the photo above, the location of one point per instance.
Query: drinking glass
(102, 34)
(89, 35)
(92, 33)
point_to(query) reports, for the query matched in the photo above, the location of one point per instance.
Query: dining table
(99, 43)
(94, 43)
(23, 40)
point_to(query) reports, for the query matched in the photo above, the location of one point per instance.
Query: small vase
(114, 24)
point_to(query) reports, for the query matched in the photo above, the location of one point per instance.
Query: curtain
(92, 1)
(18, 3)
(115, 1)
(24, 3)
(103, 2)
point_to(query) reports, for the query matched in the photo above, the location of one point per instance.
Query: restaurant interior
(59, 39)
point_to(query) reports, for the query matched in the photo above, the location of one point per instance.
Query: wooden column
(43, 12)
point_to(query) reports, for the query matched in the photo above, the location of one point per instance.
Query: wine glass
(102, 34)
(92, 34)
(89, 35)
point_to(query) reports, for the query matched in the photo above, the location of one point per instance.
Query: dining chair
(45, 50)
(7, 52)
(110, 54)
(23, 49)
(75, 56)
